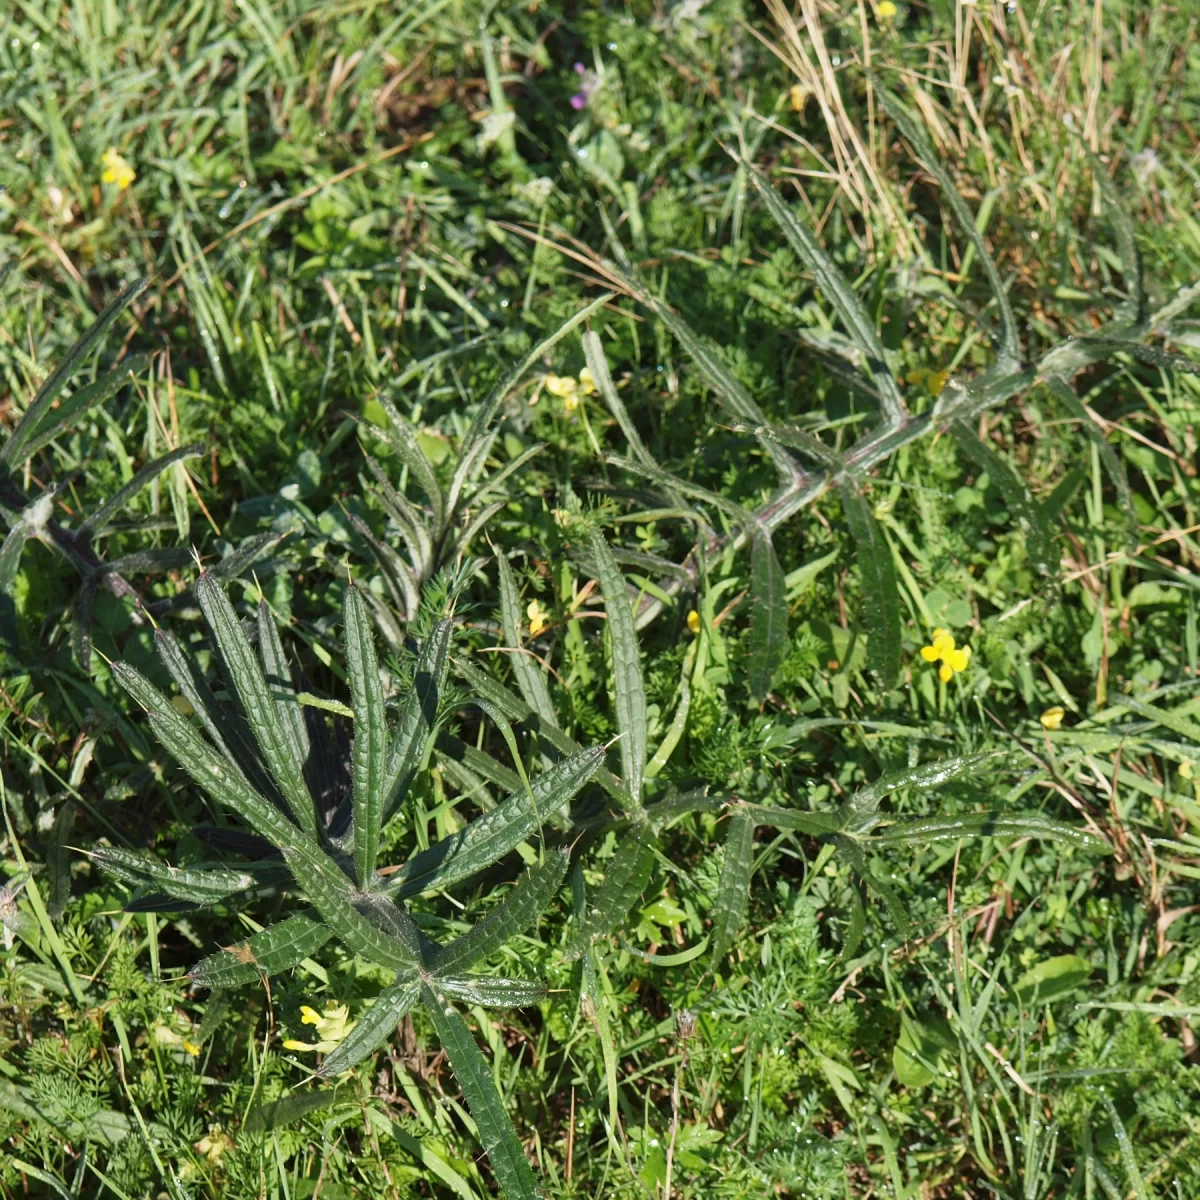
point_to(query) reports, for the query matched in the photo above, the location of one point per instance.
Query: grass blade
(628, 688)
(520, 908)
(733, 892)
(12, 452)
(374, 1027)
(768, 614)
(418, 717)
(268, 952)
(489, 837)
(474, 1076)
(881, 597)
(370, 731)
(245, 675)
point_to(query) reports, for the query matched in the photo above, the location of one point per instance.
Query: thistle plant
(255, 758)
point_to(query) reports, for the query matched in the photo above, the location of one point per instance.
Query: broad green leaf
(199, 885)
(98, 521)
(859, 324)
(489, 991)
(921, 1045)
(418, 716)
(277, 948)
(500, 1141)
(59, 419)
(488, 838)
(733, 892)
(1010, 346)
(374, 1027)
(529, 675)
(370, 732)
(1017, 495)
(626, 878)
(629, 691)
(881, 596)
(516, 912)
(768, 614)
(245, 676)
(1052, 979)
(12, 453)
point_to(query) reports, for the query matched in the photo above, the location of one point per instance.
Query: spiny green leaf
(833, 285)
(490, 991)
(881, 596)
(11, 453)
(59, 419)
(628, 688)
(1010, 347)
(733, 892)
(593, 350)
(677, 805)
(1016, 493)
(277, 948)
(814, 824)
(628, 873)
(200, 885)
(530, 678)
(768, 614)
(489, 837)
(98, 521)
(516, 912)
(279, 680)
(921, 831)
(418, 716)
(374, 1027)
(474, 1076)
(245, 675)
(370, 730)
(408, 450)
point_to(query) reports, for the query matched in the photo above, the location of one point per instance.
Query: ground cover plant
(598, 600)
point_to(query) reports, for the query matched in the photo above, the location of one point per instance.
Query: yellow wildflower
(539, 618)
(798, 96)
(117, 170)
(1185, 769)
(693, 621)
(943, 649)
(332, 1027)
(191, 1047)
(934, 381)
(561, 386)
(214, 1145)
(887, 10)
(587, 385)
(1052, 718)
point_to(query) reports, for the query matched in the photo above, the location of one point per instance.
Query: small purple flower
(590, 83)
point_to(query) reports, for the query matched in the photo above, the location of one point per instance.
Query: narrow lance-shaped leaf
(593, 350)
(58, 420)
(1018, 498)
(278, 673)
(490, 991)
(276, 948)
(1010, 346)
(11, 452)
(881, 596)
(408, 450)
(921, 831)
(374, 1027)
(629, 690)
(488, 838)
(516, 912)
(500, 1141)
(628, 873)
(417, 719)
(199, 885)
(733, 892)
(859, 324)
(768, 614)
(529, 676)
(245, 676)
(98, 521)
(370, 730)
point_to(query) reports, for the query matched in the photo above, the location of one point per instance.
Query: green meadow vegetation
(599, 599)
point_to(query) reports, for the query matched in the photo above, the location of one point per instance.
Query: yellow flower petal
(935, 382)
(945, 672)
(957, 660)
(693, 621)
(943, 645)
(930, 654)
(1052, 718)
(798, 96)
(587, 385)
(571, 401)
(886, 10)
(309, 1016)
(1185, 767)
(292, 1044)
(560, 385)
(191, 1048)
